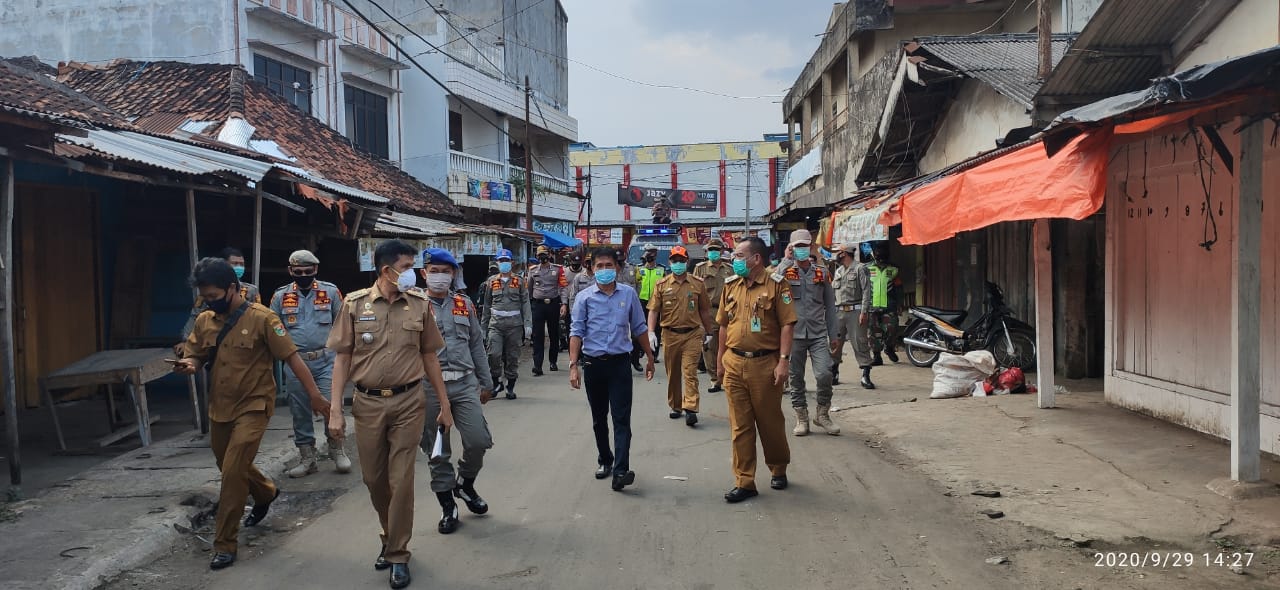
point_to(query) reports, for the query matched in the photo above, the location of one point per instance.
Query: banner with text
(488, 190)
(858, 225)
(677, 198)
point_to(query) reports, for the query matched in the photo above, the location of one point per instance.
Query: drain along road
(854, 516)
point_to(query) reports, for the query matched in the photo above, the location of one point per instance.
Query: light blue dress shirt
(607, 323)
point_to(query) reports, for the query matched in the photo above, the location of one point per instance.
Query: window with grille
(367, 120)
(294, 84)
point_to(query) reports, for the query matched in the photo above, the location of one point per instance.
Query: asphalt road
(852, 517)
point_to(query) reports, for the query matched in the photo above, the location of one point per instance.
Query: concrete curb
(154, 535)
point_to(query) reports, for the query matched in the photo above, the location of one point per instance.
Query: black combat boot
(449, 519)
(866, 378)
(511, 389)
(465, 490)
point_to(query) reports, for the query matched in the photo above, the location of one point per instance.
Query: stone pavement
(1084, 470)
(121, 513)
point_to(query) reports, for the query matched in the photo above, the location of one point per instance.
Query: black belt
(680, 330)
(752, 355)
(607, 357)
(387, 392)
(546, 301)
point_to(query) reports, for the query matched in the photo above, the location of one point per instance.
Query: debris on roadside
(998, 560)
(987, 493)
(992, 513)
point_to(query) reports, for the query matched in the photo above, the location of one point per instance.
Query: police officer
(627, 273)
(757, 321)
(713, 273)
(387, 342)
(307, 307)
(547, 284)
(850, 283)
(579, 281)
(815, 330)
(876, 314)
(239, 340)
(465, 368)
(647, 277)
(506, 320)
(679, 305)
(248, 291)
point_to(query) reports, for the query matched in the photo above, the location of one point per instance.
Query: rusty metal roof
(1007, 63)
(1127, 44)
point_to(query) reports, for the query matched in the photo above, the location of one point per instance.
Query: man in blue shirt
(606, 318)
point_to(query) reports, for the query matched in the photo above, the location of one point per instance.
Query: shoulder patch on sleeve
(777, 278)
(786, 297)
(731, 279)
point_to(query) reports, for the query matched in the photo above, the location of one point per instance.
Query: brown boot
(802, 422)
(824, 422)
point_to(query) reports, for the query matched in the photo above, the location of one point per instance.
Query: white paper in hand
(438, 449)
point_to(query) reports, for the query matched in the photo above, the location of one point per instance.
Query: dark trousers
(546, 322)
(608, 385)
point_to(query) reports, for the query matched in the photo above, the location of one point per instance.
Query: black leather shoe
(497, 387)
(675, 414)
(835, 379)
(636, 365)
(739, 494)
(892, 354)
(602, 472)
(400, 575)
(866, 382)
(624, 480)
(381, 562)
(690, 418)
(465, 490)
(715, 389)
(554, 368)
(537, 371)
(778, 483)
(259, 511)
(222, 560)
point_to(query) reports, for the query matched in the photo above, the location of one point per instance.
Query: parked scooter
(935, 331)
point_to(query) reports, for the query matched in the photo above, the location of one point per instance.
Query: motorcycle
(935, 331)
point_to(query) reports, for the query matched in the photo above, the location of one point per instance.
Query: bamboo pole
(6, 325)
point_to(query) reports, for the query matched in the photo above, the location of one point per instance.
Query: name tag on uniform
(366, 318)
(755, 324)
(291, 319)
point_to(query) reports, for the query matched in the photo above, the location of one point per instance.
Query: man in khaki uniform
(386, 342)
(850, 283)
(240, 340)
(713, 273)
(756, 320)
(679, 305)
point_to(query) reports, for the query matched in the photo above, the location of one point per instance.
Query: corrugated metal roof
(334, 187)
(168, 155)
(1006, 62)
(1128, 43)
(403, 224)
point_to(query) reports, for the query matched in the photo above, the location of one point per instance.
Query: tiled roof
(161, 96)
(1006, 62)
(33, 93)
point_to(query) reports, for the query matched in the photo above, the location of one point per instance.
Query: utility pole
(588, 203)
(746, 219)
(1044, 30)
(528, 158)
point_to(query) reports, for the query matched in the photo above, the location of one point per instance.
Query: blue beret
(438, 256)
(504, 253)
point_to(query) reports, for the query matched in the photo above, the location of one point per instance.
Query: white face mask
(439, 282)
(407, 280)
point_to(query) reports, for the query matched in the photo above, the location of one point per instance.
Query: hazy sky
(732, 47)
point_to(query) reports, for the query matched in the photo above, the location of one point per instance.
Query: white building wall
(978, 117)
(1250, 26)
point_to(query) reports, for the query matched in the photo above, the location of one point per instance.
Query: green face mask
(679, 267)
(713, 255)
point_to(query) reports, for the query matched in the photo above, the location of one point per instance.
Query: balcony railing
(550, 194)
(477, 167)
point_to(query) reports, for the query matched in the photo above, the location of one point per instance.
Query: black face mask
(543, 258)
(304, 282)
(221, 306)
(650, 257)
(576, 267)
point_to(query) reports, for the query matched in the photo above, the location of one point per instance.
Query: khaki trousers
(235, 444)
(388, 430)
(709, 355)
(755, 404)
(681, 358)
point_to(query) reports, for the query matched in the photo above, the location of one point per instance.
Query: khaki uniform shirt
(505, 295)
(548, 282)
(579, 283)
(679, 302)
(849, 284)
(385, 338)
(713, 276)
(242, 379)
(753, 311)
(814, 301)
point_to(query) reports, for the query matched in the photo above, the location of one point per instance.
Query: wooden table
(132, 368)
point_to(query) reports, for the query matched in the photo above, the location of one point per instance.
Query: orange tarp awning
(1021, 185)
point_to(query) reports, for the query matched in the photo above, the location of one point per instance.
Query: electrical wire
(461, 36)
(495, 23)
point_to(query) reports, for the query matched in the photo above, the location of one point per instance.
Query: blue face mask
(239, 271)
(713, 255)
(504, 267)
(740, 267)
(679, 267)
(606, 276)
(801, 253)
